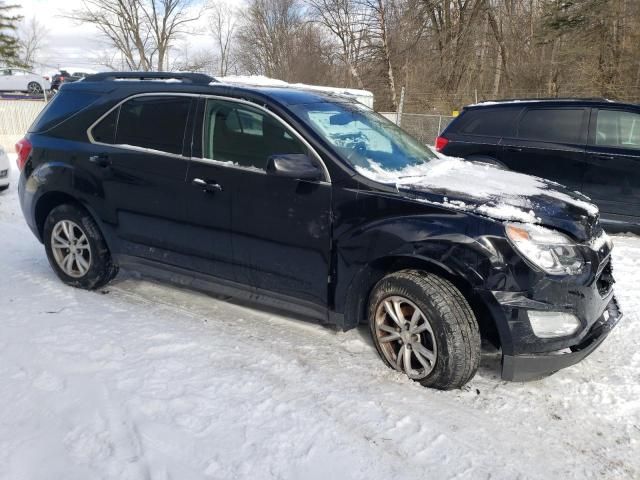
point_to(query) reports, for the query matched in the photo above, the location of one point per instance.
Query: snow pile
(363, 96)
(492, 191)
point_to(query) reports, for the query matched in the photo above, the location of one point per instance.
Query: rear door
(549, 143)
(612, 174)
(138, 166)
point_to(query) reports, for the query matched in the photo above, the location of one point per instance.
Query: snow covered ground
(146, 381)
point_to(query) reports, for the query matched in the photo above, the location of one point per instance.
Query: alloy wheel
(34, 88)
(405, 337)
(71, 249)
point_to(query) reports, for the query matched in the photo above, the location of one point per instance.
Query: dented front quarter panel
(374, 228)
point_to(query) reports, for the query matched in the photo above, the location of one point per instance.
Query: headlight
(547, 249)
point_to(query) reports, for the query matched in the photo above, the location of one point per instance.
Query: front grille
(4, 173)
(605, 280)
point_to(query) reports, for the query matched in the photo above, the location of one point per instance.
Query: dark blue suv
(312, 202)
(590, 145)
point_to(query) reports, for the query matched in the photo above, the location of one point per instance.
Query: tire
(447, 337)
(34, 88)
(93, 266)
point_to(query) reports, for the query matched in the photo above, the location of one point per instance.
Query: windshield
(365, 139)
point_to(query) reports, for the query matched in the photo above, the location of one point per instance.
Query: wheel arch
(487, 158)
(50, 200)
(359, 292)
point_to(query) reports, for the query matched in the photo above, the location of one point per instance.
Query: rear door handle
(513, 149)
(100, 160)
(604, 156)
(206, 186)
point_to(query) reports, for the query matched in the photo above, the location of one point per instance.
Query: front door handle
(100, 160)
(513, 149)
(206, 186)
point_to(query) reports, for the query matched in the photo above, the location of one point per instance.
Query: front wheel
(76, 249)
(423, 327)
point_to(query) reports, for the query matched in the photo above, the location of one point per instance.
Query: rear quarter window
(492, 122)
(63, 106)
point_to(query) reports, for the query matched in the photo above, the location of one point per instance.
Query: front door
(281, 226)
(549, 143)
(612, 175)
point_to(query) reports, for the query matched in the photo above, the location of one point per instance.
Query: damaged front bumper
(526, 367)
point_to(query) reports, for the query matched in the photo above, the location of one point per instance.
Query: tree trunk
(391, 84)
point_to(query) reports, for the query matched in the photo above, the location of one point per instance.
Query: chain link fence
(16, 116)
(424, 127)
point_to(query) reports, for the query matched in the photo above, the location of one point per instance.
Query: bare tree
(141, 30)
(346, 20)
(378, 39)
(223, 25)
(31, 35)
(267, 35)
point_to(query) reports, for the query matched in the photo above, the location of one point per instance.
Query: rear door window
(561, 125)
(153, 122)
(617, 128)
(492, 122)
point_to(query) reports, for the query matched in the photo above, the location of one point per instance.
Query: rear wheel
(76, 249)
(34, 88)
(423, 327)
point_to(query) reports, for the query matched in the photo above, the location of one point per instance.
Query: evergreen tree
(9, 45)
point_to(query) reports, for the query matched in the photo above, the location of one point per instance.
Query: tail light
(23, 149)
(441, 142)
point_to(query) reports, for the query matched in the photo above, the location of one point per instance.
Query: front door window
(244, 136)
(615, 128)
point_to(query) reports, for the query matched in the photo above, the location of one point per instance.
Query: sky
(69, 43)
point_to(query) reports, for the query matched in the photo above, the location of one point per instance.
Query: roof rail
(546, 99)
(195, 78)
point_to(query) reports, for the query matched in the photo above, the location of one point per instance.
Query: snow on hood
(478, 187)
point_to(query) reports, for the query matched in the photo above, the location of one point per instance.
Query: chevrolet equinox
(311, 202)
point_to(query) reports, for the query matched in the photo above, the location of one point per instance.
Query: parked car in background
(312, 202)
(5, 170)
(19, 80)
(590, 145)
(66, 76)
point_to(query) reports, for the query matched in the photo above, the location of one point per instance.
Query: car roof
(131, 83)
(548, 102)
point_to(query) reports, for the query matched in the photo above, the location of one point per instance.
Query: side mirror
(293, 165)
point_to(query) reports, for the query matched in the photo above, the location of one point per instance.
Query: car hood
(492, 192)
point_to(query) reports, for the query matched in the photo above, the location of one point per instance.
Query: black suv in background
(313, 202)
(588, 145)
(63, 77)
